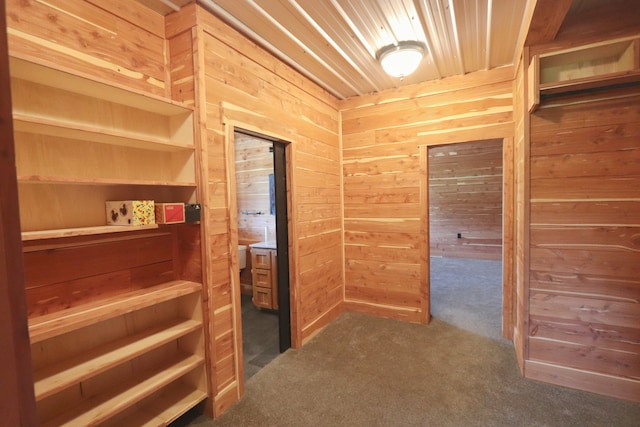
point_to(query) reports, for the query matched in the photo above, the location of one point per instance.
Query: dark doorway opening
(262, 202)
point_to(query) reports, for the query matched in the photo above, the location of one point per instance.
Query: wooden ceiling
(334, 42)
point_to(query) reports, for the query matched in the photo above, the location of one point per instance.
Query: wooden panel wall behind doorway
(465, 200)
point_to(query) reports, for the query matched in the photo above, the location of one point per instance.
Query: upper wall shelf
(80, 142)
(585, 67)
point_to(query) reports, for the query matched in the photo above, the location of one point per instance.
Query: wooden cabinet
(607, 63)
(115, 312)
(265, 277)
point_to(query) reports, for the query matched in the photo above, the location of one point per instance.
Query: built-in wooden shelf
(103, 353)
(87, 85)
(176, 396)
(85, 132)
(57, 377)
(80, 142)
(83, 231)
(63, 180)
(589, 82)
(101, 407)
(50, 325)
(608, 63)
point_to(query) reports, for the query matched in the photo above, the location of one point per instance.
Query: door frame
(508, 232)
(286, 318)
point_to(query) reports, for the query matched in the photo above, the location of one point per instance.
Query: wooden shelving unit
(116, 338)
(608, 63)
(142, 342)
(79, 140)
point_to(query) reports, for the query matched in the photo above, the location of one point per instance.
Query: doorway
(262, 212)
(465, 185)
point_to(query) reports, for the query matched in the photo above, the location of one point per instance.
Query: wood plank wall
(381, 137)
(465, 198)
(239, 84)
(120, 42)
(585, 255)
(254, 164)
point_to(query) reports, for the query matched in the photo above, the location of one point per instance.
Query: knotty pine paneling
(381, 138)
(584, 254)
(125, 46)
(465, 197)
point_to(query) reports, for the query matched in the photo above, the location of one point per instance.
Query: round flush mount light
(402, 59)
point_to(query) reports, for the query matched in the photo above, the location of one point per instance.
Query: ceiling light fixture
(400, 60)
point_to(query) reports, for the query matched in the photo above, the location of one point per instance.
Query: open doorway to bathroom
(260, 172)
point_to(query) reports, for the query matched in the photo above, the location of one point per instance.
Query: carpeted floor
(467, 293)
(366, 371)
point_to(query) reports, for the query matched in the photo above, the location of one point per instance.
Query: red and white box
(169, 213)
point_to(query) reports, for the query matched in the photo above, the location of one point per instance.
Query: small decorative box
(169, 213)
(130, 212)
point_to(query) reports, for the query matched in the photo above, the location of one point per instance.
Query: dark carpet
(259, 337)
(366, 371)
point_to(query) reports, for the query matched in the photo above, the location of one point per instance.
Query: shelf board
(60, 322)
(84, 132)
(53, 75)
(64, 180)
(58, 377)
(97, 409)
(83, 231)
(174, 400)
(589, 82)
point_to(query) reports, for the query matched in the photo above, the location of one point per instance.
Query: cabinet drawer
(262, 277)
(262, 297)
(261, 258)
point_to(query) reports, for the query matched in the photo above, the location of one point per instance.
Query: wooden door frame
(231, 126)
(508, 232)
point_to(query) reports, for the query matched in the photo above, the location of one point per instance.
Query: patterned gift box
(130, 212)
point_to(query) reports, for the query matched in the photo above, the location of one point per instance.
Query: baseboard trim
(310, 330)
(608, 385)
(407, 314)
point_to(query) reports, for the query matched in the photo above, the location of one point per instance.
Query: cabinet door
(262, 297)
(262, 278)
(261, 258)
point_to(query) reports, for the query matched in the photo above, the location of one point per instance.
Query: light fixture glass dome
(402, 59)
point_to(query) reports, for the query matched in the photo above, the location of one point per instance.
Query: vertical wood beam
(17, 398)
(547, 18)
(425, 296)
